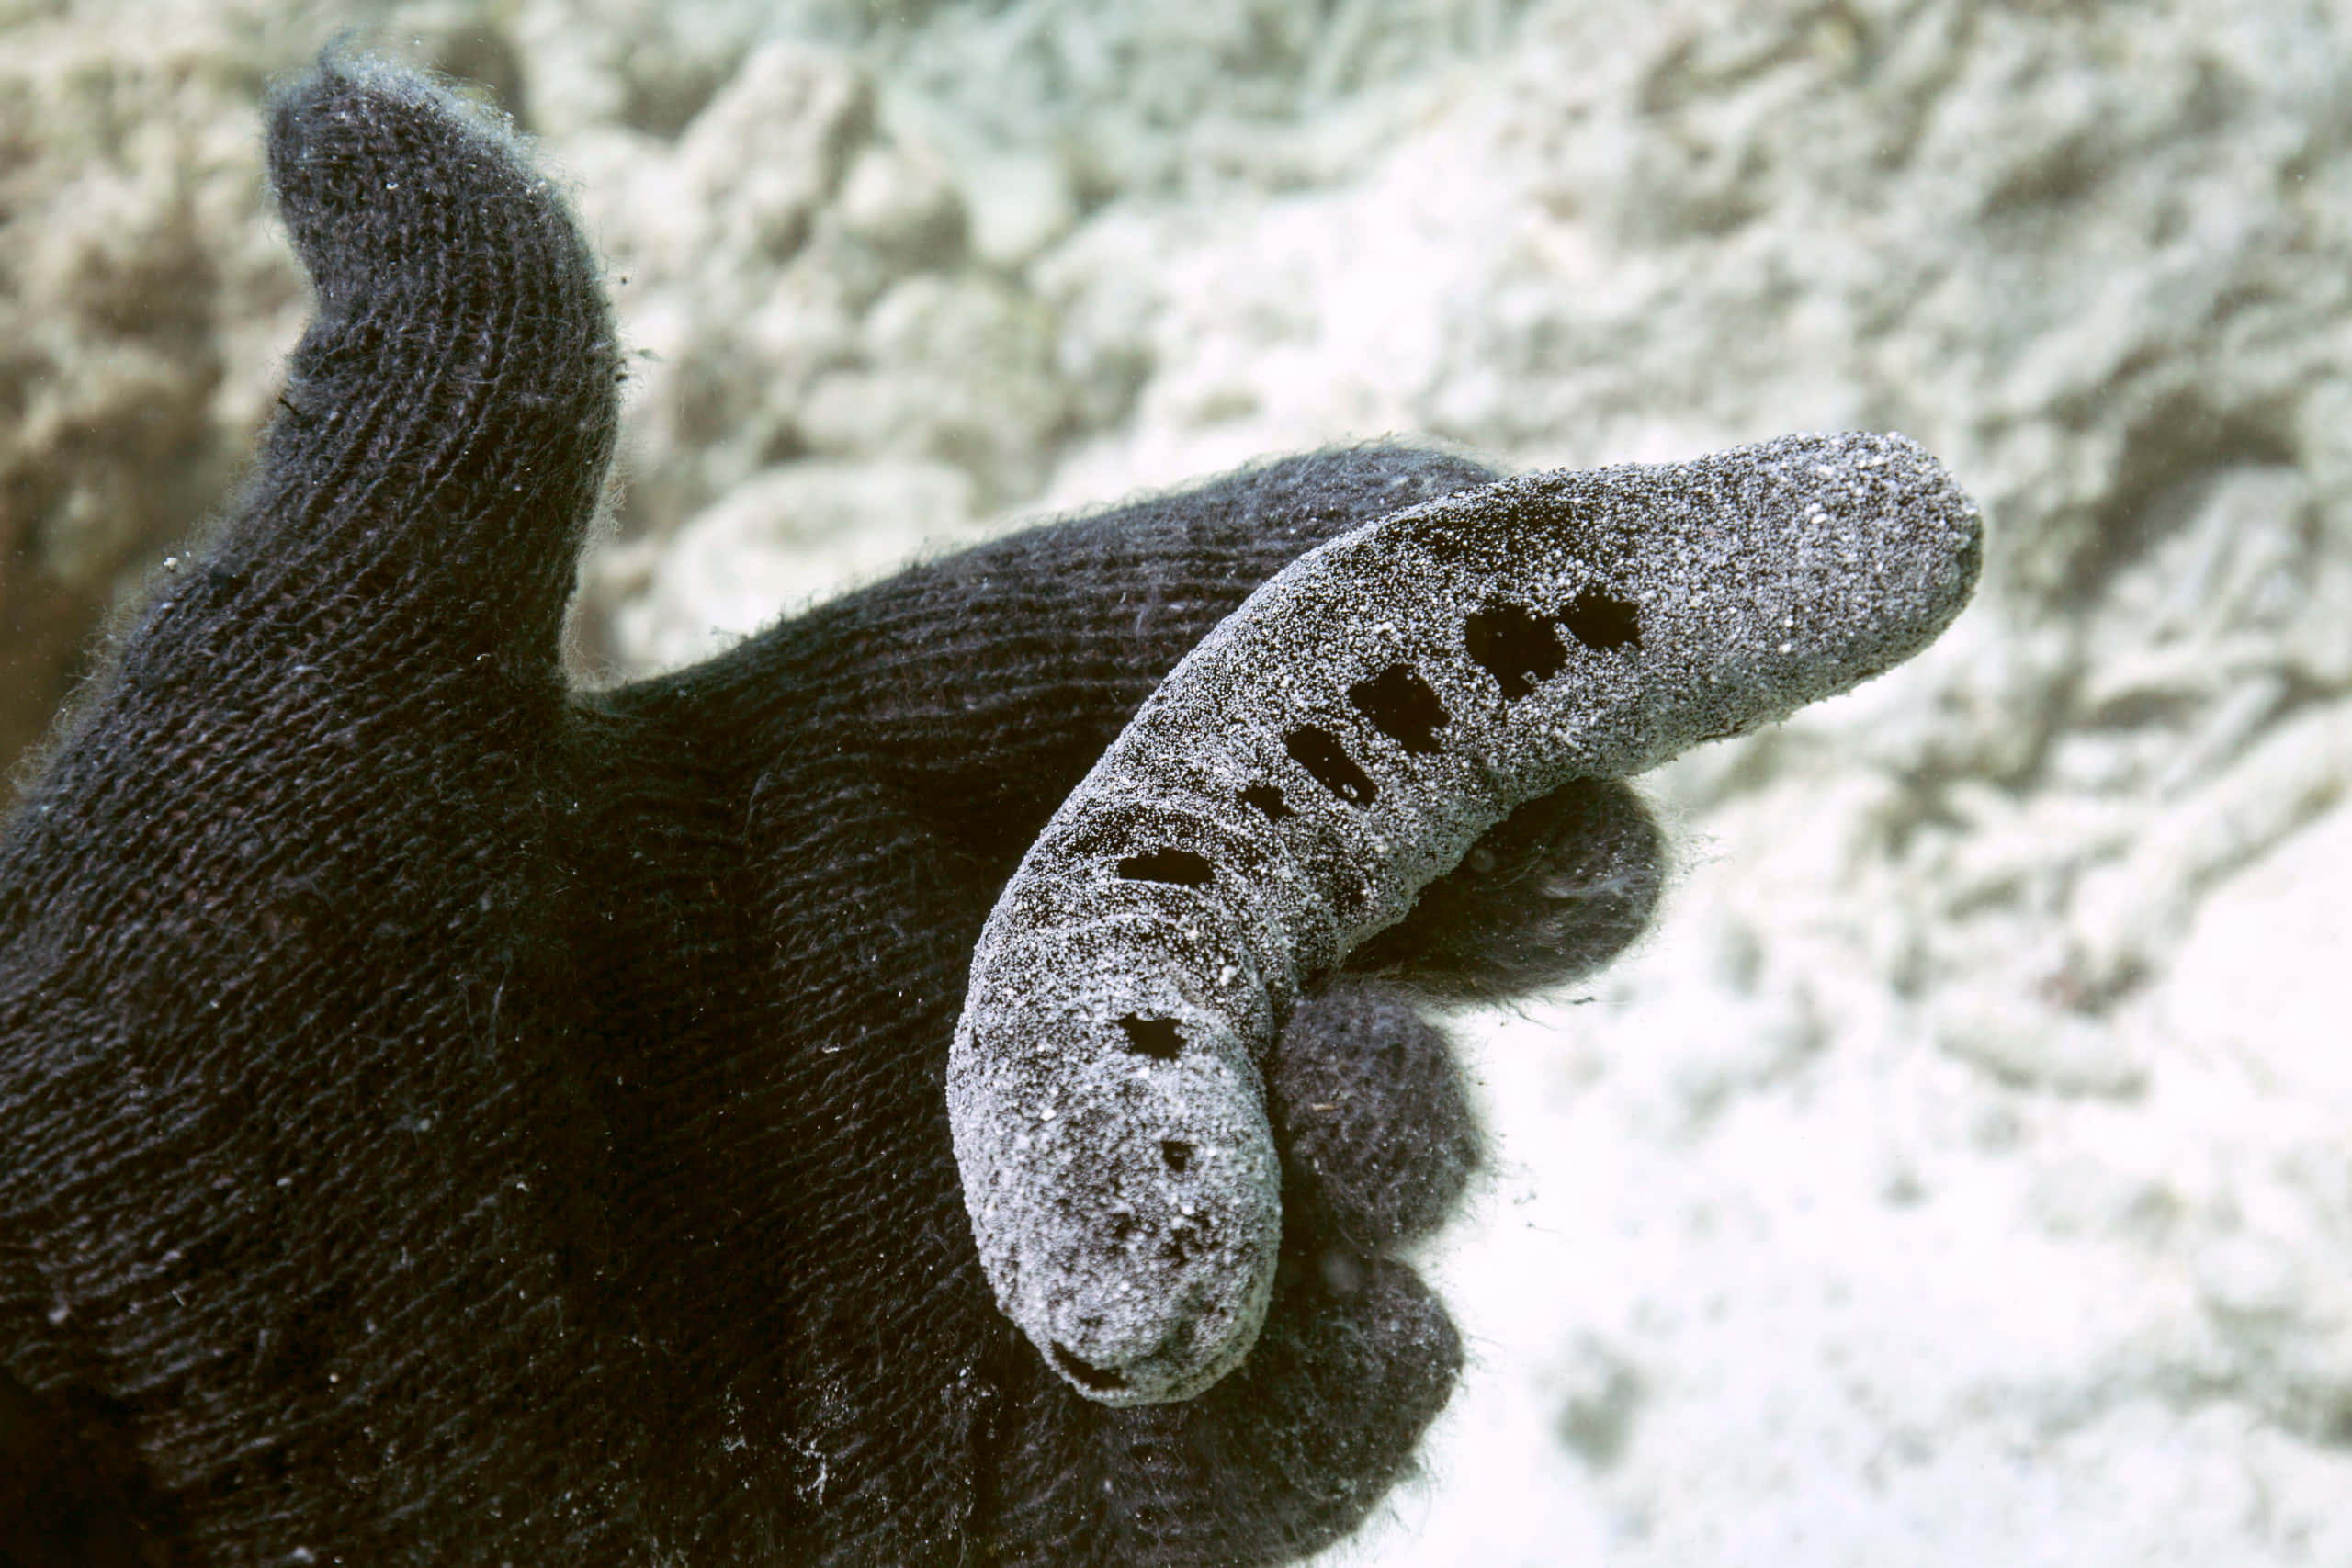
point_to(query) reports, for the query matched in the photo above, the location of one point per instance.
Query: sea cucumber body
(1331, 748)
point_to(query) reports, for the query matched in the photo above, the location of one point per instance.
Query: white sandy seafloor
(1962, 1172)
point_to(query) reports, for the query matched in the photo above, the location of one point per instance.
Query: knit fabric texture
(452, 1118)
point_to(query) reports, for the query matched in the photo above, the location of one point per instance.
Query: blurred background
(1963, 1170)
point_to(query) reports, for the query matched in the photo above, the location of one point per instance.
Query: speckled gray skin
(1331, 748)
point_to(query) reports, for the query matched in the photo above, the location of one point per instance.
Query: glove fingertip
(1378, 1133)
(1558, 889)
(371, 161)
(1273, 1464)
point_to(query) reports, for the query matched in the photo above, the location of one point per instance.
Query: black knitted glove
(445, 1118)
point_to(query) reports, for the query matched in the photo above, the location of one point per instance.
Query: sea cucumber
(1328, 749)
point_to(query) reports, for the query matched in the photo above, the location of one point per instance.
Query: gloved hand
(448, 1117)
